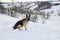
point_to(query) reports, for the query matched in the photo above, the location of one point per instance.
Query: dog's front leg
(25, 25)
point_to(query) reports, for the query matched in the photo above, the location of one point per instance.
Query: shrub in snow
(33, 18)
(48, 15)
(58, 13)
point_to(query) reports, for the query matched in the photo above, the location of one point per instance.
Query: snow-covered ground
(36, 31)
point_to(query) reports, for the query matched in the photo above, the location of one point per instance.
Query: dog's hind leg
(18, 27)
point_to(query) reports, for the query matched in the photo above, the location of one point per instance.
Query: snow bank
(36, 31)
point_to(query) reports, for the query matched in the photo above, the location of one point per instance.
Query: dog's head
(28, 16)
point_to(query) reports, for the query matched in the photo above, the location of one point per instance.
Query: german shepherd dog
(22, 23)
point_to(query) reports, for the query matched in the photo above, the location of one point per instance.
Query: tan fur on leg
(25, 25)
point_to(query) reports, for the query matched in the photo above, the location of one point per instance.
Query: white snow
(55, 9)
(30, 5)
(5, 5)
(35, 31)
(55, 2)
(33, 7)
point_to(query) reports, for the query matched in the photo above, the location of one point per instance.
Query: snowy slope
(36, 31)
(54, 9)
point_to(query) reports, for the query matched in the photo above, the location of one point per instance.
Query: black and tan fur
(22, 23)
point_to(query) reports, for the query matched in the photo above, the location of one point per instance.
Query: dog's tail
(14, 27)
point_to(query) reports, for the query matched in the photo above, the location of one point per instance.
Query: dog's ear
(28, 15)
